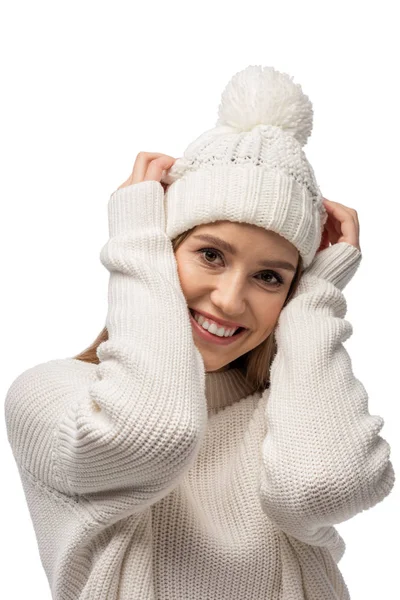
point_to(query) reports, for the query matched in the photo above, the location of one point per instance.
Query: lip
(227, 324)
(214, 339)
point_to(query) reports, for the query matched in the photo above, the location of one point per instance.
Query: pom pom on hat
(254, 97)
(263, 96)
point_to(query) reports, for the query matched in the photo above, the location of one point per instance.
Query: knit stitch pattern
(147, 478)
(251, 167)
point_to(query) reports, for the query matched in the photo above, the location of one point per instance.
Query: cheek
(188, 275)
(270, 313)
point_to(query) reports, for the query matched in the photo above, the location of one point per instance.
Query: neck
(225, 387)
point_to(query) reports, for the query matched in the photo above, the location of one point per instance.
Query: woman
(207, 442)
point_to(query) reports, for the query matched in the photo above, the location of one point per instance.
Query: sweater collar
(223, 388)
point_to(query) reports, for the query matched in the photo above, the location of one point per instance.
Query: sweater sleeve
(323, 460)
(139, 423)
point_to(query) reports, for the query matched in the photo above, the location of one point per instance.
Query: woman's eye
(278, 278)
(203, 251)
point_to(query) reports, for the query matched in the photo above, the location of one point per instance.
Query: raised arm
(139, 423)
(323, 460)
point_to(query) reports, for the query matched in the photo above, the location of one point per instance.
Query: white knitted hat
(251, 167)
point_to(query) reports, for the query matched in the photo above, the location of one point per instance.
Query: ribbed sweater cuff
(136, 207)
(337, 263)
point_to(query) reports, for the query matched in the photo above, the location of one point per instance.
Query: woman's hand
(342, 225)
(335, 261)
(149, 166)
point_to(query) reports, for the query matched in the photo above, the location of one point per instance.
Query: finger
(324, 240)
(333, 225)
(157, 166)
(333, 233)
(141, 164)
(332, 207)
(345, 222)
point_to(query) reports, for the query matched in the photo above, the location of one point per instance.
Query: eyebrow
(283, 264)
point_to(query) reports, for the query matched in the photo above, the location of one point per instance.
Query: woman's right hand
(149, 166)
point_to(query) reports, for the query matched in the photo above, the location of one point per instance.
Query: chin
(212, 366)
(224, 368)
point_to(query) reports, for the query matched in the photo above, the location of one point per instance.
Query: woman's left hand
(342, 225)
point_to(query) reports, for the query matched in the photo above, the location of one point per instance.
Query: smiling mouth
(238, 330)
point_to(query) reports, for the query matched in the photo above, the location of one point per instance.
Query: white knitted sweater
(147, 478)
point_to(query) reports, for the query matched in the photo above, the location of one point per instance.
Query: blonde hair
(255, 364)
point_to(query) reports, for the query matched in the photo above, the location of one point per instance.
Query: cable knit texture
(148, 478)
(251, 167)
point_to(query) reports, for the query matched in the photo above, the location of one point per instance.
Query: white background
(85, 87)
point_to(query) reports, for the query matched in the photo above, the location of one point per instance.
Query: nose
(229, 298)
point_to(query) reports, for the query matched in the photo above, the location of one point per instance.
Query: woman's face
(234, 285)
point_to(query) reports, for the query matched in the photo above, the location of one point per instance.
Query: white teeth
(213, 328)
